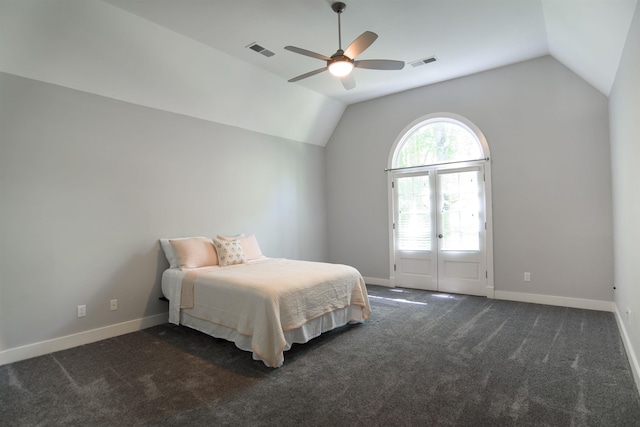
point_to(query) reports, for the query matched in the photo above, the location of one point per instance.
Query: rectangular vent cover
(420, 62)
(261, 50)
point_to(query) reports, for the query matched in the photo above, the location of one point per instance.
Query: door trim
(490, 288)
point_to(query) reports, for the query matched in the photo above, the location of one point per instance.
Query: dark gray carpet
(422, 359)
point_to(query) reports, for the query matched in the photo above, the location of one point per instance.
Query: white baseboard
(491, 292)
(631, 354)
(588, 304)
(57, 344)
(522, 297)
(62, 343)
(377, 281)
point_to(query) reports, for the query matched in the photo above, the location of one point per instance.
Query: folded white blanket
(264, 299)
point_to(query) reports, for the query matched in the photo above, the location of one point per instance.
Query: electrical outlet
(82, 310)
(114, 304)
(527, 276)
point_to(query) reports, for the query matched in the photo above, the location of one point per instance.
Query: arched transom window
(436, 141)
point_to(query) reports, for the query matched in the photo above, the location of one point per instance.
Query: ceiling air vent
(256, 47)
(420, 62)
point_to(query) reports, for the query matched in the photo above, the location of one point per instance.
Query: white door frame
(487, 192)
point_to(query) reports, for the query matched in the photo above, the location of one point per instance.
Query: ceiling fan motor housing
(339, 56)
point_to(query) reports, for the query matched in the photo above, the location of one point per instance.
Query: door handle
(439, 236)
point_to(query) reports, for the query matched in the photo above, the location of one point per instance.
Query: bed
(264, 305)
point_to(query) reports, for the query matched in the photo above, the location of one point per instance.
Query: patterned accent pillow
(249, 245)
(229, 252)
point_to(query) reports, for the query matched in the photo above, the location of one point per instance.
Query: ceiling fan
(341, 63)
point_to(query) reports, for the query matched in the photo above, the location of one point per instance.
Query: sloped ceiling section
(95, 47)
(191, 56)
(588, 36)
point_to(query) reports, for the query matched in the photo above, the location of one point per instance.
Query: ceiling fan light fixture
(341, 63)
(340, 68)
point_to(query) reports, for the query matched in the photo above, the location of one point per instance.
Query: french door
(439, 229)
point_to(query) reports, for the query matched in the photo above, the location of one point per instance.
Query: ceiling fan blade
(306, 52)
(379, 64)
(309, 74)
(360, 44)
(348, 81)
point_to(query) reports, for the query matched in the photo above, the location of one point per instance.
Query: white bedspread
(265, 299)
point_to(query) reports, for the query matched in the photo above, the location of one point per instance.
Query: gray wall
(89, 184)
(548, 134)
(625, 154)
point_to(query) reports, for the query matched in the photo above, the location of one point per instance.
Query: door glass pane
(413, 229)
(437, 142)
(460, 211)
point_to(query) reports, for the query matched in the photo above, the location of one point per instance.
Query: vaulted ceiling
(191, 57)
(465, 36)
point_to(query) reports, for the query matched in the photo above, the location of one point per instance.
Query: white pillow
(229, 252)
(170, 253)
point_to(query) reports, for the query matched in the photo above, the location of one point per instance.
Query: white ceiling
(190, 56)
(466, 36)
